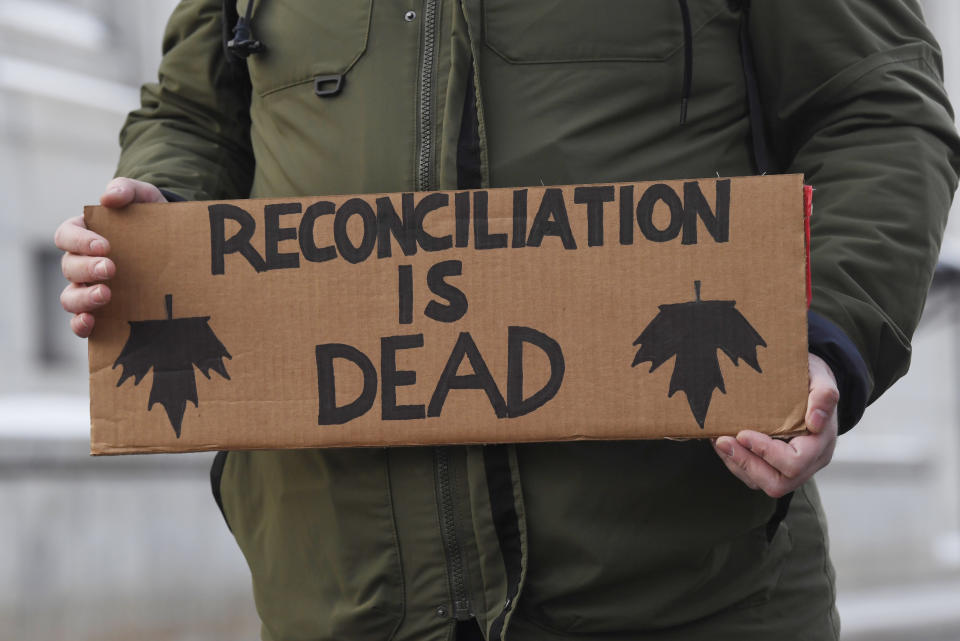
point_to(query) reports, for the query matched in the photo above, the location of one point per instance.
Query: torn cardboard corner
(616, 311)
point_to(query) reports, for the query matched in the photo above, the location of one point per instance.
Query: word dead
(465, 349)
(382, 226)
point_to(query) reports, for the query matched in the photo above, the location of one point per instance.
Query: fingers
(782, 457)
(120, 192)
(82, 324)
(78, 299)
(774, 466)
(778, 467)
(74, 237)
(734, 456)
(86, 269)
(85, 258)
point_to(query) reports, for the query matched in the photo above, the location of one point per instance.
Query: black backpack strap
(761, 150)
(238, 41)
(230, 18)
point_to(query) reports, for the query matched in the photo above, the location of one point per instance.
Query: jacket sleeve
(191, 135)
(853, 97)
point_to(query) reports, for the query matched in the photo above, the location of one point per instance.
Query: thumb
(823, 397)
(120, 192)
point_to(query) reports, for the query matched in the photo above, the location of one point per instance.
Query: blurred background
(134, 547)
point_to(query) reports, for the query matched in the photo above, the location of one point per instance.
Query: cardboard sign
(618, 311)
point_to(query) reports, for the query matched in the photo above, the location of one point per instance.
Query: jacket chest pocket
(305, 39)
(543, 31)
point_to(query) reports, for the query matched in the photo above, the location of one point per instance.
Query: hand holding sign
(779, 467)
(85, 263)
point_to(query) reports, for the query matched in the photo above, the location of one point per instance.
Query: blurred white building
(89, 548)
(134, 547)
(69, 72)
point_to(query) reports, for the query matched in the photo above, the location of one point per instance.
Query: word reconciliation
(381, 224)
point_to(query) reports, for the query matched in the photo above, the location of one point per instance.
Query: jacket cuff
(830, 343)
(172, 197)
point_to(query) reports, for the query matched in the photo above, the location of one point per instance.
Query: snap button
(410, 16)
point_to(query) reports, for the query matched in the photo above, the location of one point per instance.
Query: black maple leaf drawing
(694, 331)
(172, 346)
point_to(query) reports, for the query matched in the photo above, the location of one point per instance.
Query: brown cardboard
(591, 300)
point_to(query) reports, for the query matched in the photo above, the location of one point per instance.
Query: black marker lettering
(519, 218)
(308, 243)
(391, 378)
(695, 205)
(274, 233)
(462, 208)
(551, 207)
(355, 253)
(220, 246)
(626, 215)
(388, 222)
(429, 203)
(645, 213)
(517, 336)
(481, 379)
(482, 239)
(405, 294)
(457, 301)
(329, 413)
(594, 197)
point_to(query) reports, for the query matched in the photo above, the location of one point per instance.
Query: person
(625, 540)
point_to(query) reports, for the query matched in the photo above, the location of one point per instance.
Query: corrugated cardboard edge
(100, 449)
(793, 426)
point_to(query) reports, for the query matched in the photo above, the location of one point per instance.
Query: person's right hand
(85, 263)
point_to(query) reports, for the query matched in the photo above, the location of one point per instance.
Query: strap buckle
(329, 85)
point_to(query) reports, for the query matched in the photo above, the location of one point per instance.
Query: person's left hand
(779, 467)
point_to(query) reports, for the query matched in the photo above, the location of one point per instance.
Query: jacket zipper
(425, 155)
(460, 606)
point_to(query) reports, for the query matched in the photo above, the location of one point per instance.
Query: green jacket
(638, 540)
